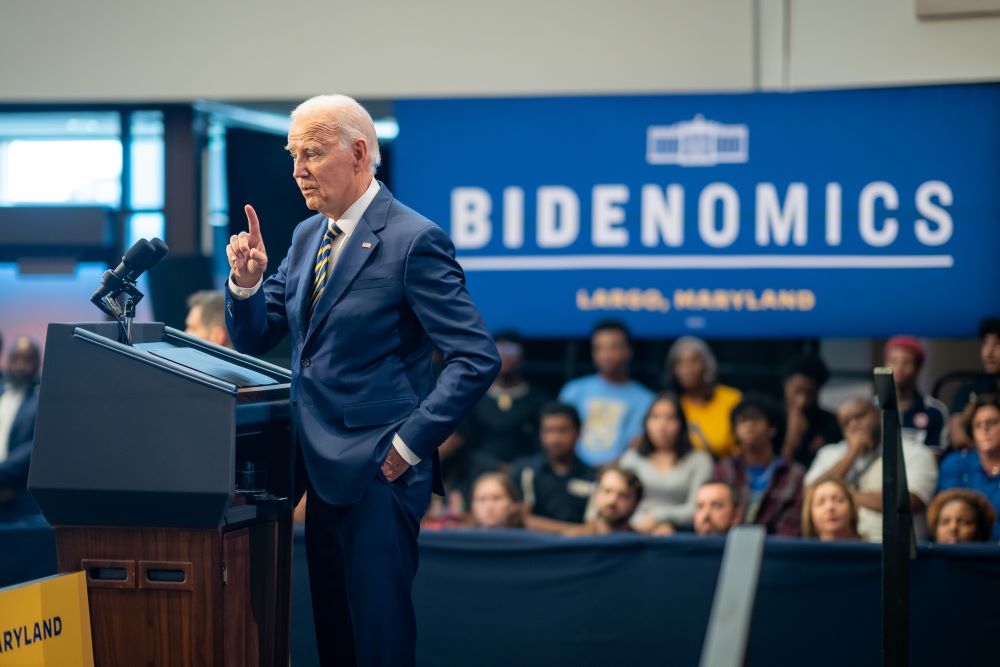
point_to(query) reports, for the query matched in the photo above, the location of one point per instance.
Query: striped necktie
(321, 273)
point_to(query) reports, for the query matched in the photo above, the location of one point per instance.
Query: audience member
(556, 484)
(829, 512)
(610, 404)
(858, 461)
(961, 515)
(618, 493)
(461, 465)
(769, 488)
(693, 371)
(504, 425)
(716, 509)
(809, 426)
(495, 502)
(670, 470)
(923, 417)
(18, 408)
(978, 470)
(206, 318)
(987, 383)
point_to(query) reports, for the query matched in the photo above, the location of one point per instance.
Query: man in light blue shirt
(611, 404)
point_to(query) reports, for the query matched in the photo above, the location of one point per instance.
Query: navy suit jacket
(14, 469)
(362, 366)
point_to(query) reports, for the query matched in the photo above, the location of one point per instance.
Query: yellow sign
(46, 622)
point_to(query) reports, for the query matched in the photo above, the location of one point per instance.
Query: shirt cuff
(404, 451)
(243, 292)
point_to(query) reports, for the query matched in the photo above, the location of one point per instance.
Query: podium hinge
(225, 575)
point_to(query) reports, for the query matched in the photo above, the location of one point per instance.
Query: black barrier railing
(898, 543)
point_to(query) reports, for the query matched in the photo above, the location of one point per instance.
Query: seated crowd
(18, 407)
(611, 456)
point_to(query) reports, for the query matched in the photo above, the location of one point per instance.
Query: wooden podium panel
(173, 596)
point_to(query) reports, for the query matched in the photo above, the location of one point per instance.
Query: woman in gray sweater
(670, 470)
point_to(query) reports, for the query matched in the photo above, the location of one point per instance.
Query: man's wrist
(243, 292)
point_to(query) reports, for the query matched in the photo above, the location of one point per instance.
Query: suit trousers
(362, 560)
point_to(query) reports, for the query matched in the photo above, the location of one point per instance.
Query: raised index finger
(254, 225)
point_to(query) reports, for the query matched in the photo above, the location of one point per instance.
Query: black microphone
(160, 249)
(137, 259)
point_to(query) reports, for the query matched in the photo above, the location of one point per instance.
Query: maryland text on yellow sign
(46, 622)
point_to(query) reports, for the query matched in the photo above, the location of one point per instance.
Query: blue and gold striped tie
(321, 274)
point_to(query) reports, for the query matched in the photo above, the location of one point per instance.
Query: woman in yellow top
(707, 404)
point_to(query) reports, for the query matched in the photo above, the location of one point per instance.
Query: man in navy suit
(367, 290)
(18, 408)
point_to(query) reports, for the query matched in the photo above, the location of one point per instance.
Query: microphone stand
(123, 313)
(129, 312)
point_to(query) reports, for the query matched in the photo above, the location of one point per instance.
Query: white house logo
(697, 143)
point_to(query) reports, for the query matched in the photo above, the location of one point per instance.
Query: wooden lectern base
(173, 596)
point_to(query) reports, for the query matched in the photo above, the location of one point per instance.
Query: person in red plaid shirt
(769, 488)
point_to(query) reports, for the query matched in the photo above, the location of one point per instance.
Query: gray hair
(213, 307)
(699, 346)
(352, 122)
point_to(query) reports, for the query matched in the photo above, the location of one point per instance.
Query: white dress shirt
(347, 223)
(10, 403)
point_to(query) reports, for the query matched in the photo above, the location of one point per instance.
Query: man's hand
(958, 437)
(394, 466)
(795, 430)
(859, 440)
(663, 529)
(644, 524)
(798, 422)
(247, 256)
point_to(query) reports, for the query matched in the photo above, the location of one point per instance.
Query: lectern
(165, 468)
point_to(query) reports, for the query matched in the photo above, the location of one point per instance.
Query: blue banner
(840, 213)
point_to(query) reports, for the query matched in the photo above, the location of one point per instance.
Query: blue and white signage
(843, 213)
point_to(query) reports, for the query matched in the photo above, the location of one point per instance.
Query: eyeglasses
(985, 425)
(845, 419)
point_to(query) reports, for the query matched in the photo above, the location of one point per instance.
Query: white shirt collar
(355, 211)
